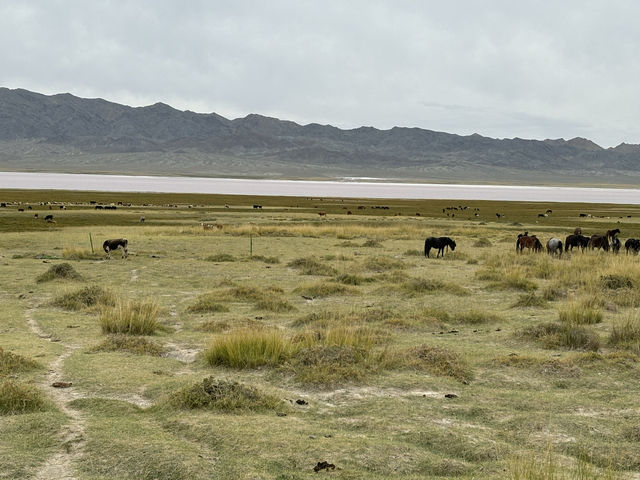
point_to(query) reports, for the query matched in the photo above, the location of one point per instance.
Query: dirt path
(72, 436)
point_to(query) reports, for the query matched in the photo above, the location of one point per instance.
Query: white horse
(554, 246)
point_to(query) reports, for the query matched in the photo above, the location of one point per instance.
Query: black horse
(440, 243)
(632, 244)
(114, 244)
(575, 240)
(615, 244)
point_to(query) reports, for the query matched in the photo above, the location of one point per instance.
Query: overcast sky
(528, 69)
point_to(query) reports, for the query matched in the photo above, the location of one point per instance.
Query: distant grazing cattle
(48, 218)
(584, 215)
(349, 212)
(322, 214)
(207, 226)
(542, 215)
(21, 209)
(500, 215)
(35, 215)
(257, 206)
(98, 207)
(141, 220)
(549, 211)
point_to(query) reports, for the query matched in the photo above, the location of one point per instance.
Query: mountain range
(65, 133)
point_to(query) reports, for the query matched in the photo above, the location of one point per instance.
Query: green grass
(248, 349)
(208, 302)
(578, 314)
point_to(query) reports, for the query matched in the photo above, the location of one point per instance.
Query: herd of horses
(607, 242)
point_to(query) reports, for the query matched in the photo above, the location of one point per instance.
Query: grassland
(279, 339)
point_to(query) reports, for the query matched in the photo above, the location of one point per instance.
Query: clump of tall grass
(221, 257)
(309, 266)
(626, 333)
(11, 363)
(322, 289)
(552, 467)
(222, 395)
(63, 271)
(415, 286)
(207, 303)
(530, 300)
(513, 279)
(87, 297)
(130, 317)
(273, 304)
(578, 314)
(79, 254)
(566, 335)
(554, 292)
(131, 344)
(16, 398)
(439, 361)
(413, 253)
(249, 349)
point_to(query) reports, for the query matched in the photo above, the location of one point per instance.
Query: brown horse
(530, 242)
(599, 241)
(612, 233)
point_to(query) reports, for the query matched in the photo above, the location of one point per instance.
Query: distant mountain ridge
(67, 133)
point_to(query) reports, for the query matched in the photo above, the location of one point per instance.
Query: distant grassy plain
(279, 338)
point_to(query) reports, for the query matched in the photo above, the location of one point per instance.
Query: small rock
(450, 395)
(302, 402)
(61, 384)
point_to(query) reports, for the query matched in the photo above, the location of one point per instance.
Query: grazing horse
(632, 244)
(575, 240)
(441, 243)
(530, 242)
(612, 233)
(554, 245)
(615, 244)
(599, 241)
(114, 244)
(577, 231)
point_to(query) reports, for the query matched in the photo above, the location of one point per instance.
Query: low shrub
(130, 317)
(11, 363)
(372, 244)
(249, 349)
(87, 297)
(482, 243)
(222, 395)
(62, 271)
(221, 257)
(131, 344)
(439, 361)
(16, 397)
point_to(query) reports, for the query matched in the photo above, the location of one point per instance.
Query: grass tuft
(130, 317)
(11, 363)
(626, 332)
(16, 397)
(530, 300)
(221, 257)
(439, 361)
(63, 271)
(248, 349)
(475, 317)
(131, 344)
(322, 289)
(87, 297)
(577, 314)
(207, 303)
(309, 266)
(79, 254)
(223, 395)
(571, 336)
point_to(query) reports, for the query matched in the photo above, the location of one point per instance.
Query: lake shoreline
(349, 187)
